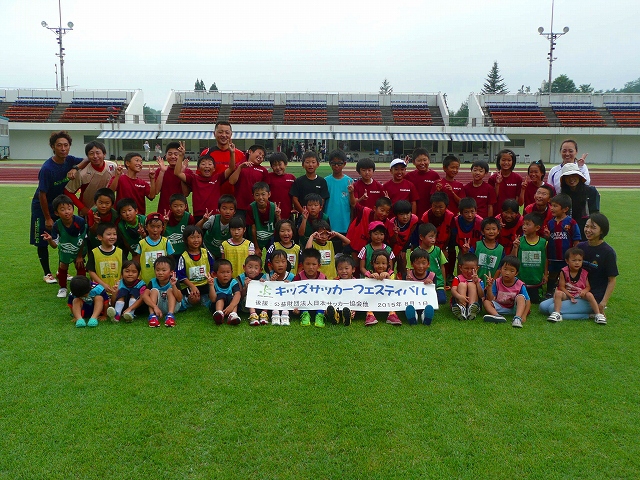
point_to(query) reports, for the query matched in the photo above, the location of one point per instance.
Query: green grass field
(454, 400)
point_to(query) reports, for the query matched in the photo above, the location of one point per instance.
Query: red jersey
(484, 195)
(509, 187)
(358, 232)
(546, 216)
(442, 224)
(458, 189)
(374, 192)
(472, 234)
(221, 163)
(244, 186)
(424, 182)
(404, 234)
(134, 188)
(280, 186)
(509, 233)
(170, 186)
(403, 190)
(206, 191)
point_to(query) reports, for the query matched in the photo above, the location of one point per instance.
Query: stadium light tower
(551, 36)
(59, 32)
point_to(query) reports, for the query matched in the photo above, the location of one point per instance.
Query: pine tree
(213, 87)
(386, 88)
(199, 86)
(494, 83)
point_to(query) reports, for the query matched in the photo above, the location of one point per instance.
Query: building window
(515, 143)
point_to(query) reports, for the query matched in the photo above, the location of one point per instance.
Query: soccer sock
(82, 271)
(275, 312)
(284, 312)
(132, 301)
(43, 256)
(119, 306)
(63, 271)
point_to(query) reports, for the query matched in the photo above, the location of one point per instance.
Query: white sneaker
(62, 293)
(128, 317)
(517, 322)
(111, 313)
(601, 319)
(48, 278)
(275, 319)
(284, 320)
(554, 317)
(459, 311)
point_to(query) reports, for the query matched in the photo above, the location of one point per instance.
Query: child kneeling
(507, 295)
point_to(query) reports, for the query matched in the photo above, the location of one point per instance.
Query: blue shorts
(37, 227)
(128, 293)
(502, 310)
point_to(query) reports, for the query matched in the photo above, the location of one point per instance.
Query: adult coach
(220, 153)
(91, 178)
(52, 179)
(568, 152)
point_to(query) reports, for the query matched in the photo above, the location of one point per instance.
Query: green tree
(585, 88)
(461, 117)
(494, 83)
(213, 87)
(629, 87)
(561, 84)
(386, 88)
(151, 115)
(199, 86)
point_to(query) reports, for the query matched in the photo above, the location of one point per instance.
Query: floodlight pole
(551, 36)
(59, 31)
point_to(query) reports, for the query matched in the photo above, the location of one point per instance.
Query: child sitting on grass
(346, 268)
(130, 291)
(252, 272)
(280, 271)
(507, 295)
(162, 293)
(381, 269)
(564, 233)
(68, 236)
(86, 298)
(419, 272)
(227, 290)
(467, 289)
(310, 271)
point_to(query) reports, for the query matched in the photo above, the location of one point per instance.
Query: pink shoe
(393, 319)
(370, 320)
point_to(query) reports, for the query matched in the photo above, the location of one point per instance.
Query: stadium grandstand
(378, 126)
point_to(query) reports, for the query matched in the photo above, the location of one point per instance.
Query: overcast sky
(328, 46)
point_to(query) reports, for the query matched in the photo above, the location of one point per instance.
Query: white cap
(397, 161)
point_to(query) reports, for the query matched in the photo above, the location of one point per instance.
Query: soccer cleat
(170, 321)
(305, 319)
(253, 320)
(233, 319)
(410, 313)
(393, 319)
(128, 317)
(153, 321)
(50, 279)
(284, 319)
(370, 320)
(458, 311)
(275, 319)
(474, 310)
(81, 323)
(427, 315)
(601, 319)
(111, 314)
(332, 315)
(517, 322)
(319, 320)
(555, 317)
(494, 319)
(218, 317)
(93, 322)
(264, 318)
(346, 316)
(62, 293)
(69, 277)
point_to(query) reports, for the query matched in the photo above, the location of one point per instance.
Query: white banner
(359, 295)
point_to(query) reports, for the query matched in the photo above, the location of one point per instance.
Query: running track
(16, 173)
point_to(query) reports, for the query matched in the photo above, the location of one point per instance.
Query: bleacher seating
(578, 115)
(199, 111)
(305, 112)
(92, 110)
(523, 114)
(359, 112)
(411, 113)
(251, 111)
(31, 109)
(626, 114)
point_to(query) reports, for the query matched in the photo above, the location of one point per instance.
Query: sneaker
(410, 312)
(370, 320)
(517, 322)
(218, 317)
(494, 319)
(81, 323)
(253, 320)
(275, 319)
(319, 320)
(93, 322)
(69, 277)
(48, 278)
(332, 316)
(128, 317)
(153, 321)
(346, 316)
(554, 317)
(264, 318)
(170, 321)
(601, 319)
(305, 319)
(459, 311)
(233, 319)
(474, 310)
(393, 319)
(427, 315)
(111, 314)
(62, 293)
(284, 320)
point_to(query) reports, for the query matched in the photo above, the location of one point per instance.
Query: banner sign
(359, 295)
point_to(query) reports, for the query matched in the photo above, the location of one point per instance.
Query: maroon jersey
(472, 235)
(221, 163)
(508, 233)
(206, 191)
(508, 188)
(484, 195)
(170, 186)
(244, 186)
(374, 192)
(133, 188)
(424, 182)
(443, 225)
(457, 187)
(280, 186)
(403, 190)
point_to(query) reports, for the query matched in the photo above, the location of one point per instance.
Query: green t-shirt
(533, 259)
(488, 259)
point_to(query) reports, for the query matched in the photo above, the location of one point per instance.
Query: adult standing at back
(52, 179)
(220, 153)
(568, 152)
(91, 178)
(147, 150)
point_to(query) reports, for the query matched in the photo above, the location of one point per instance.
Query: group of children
(415, 227)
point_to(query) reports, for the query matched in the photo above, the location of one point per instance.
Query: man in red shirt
(220, 153)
